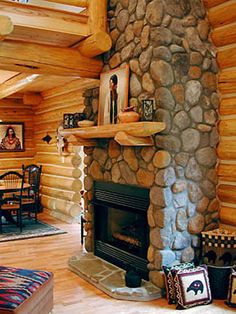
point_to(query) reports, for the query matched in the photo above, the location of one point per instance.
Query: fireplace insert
(121, 231)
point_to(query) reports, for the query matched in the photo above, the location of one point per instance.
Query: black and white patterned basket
(219, 247)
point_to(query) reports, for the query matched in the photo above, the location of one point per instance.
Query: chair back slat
(12, 180)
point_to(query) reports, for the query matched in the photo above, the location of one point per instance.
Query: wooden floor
(72, 295)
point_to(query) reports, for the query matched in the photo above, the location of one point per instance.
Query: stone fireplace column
(167, 46)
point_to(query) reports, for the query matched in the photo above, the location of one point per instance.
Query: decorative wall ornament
(47, 138)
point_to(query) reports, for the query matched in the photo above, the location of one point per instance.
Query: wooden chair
(12, 182)
(30, 200)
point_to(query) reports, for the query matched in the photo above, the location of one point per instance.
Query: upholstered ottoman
(24, 291)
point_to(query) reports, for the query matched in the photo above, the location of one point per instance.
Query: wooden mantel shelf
(128, 134)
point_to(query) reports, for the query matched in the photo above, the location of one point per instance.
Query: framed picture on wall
(113, 94)
(11, 136)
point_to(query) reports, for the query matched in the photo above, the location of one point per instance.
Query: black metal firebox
(121, 231)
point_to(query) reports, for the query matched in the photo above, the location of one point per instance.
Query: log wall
(18, 112)
(222, 16)
(61, 176)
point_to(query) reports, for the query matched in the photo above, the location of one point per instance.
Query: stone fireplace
(172, 60)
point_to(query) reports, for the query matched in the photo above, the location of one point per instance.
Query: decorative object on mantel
(68, 120)
(113, 94)
(78, 116)
(147, 109)
(85, 123)
(128, 134)
(128, 115)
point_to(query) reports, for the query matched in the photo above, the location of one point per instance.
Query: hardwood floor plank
(73, 295)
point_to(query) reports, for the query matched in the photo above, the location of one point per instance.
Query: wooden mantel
(127, 134)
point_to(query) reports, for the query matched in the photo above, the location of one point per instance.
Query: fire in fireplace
(121, 231)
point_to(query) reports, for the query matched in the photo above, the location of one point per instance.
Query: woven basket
(219, 247)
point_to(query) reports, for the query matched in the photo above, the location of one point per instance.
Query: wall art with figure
(113, 94)
(11, 136)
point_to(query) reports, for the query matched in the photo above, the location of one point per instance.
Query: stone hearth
(110, 279)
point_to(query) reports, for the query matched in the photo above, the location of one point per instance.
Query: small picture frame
(147, 109)
(11, 136)
(68, 120)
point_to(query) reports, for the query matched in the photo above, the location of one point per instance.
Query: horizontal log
(43, 59)
(67, 99)
(227, 88)
(58, 182)
(228, 106)
(55, 204)
(224, 35)
(213, 3)
(56, 114)
(227, 75)
(228, 215)
(226, 57)
(227, 193)
(60, 194)
(227, 127)
(76, 85)
(45, 19)
(227, 149)
(228, 171)
(95, 45)
(45, 126)
(223, 15)
(15, 163)
(53, 159)
(75, 3)
(62, 171)
(227, 81)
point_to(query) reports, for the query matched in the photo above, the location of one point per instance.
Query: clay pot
(128, 115)
(132, 278)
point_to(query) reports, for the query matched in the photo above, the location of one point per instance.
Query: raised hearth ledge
(110, 278)
(128, 134)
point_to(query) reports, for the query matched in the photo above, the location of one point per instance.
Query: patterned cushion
(231, 300)
(17, 285)
(192, 287)
(169, 281)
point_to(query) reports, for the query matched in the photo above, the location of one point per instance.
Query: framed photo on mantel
(147, 109)
(11, 136)
(113, 95)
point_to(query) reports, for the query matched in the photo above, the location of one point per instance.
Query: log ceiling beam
(44, 59)
(17, 83)
(33, 17)
(75, 3)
